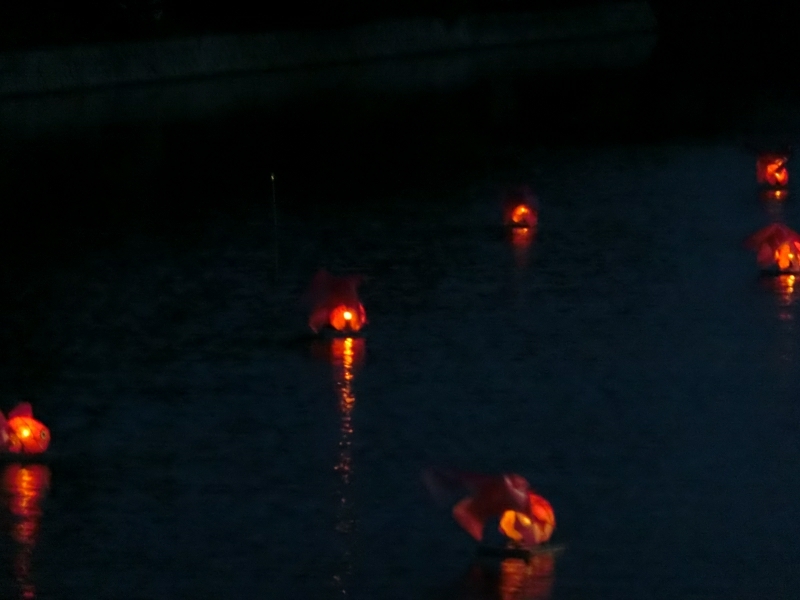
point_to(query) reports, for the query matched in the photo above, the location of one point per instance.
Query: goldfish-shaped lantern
(526, 518)
(520, 209)
(334, 302)
(771, 169)
(21, 433)
(777, 247)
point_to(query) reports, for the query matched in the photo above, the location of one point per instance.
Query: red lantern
(22, 433)
(771, 169)
(520, 209)
(334, 302)
(532, 527)
(777, 247)
(525, 517)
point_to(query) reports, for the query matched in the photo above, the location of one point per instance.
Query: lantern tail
(471, 519)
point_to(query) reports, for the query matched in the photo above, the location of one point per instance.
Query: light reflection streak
(521, 240)
(774, 194)
(527, 580)
(25, 488)
(512, 579)
(346, 355)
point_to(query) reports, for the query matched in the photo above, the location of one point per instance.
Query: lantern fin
(471, 520)
(23, 409)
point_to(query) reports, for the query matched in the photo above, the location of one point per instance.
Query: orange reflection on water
(25, 488)
(521, 240)
(527, 580)
(511, 579)
(346, 356)
(784, 286)
(775, 194)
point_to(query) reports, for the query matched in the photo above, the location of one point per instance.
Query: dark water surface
(629, 363)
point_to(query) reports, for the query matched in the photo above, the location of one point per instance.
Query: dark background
(704, 30)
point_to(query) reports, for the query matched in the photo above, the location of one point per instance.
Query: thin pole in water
(274, 225)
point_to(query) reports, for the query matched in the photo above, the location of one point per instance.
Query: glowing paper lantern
(334, 302)
(526, 518)
(777, 248)
(771, 169)
(520, 209)
(531, 528)
(20, 432)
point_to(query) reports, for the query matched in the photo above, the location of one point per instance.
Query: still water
(628, 361)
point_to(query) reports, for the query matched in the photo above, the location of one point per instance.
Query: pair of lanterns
(777, 246)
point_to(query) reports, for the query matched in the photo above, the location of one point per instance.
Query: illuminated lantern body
(532, 528)
(771, 170)
(520, 209)
(347, 318)
(777, 247)
(22, 433)
(531, 517)
(523, 215)
(334, 302)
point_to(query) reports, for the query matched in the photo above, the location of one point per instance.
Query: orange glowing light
(771, 169)
(520, 208)
(525, 517)
(334, 302)
(532, 528)
(527, 580)
(785, 256)
(25, 488)
(343, 318)
(523, 216)
(777, 247)
(20, 432)
(775, 194)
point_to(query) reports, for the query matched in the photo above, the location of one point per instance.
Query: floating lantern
(25, 488)
(21, 433)
(525, 517)
(334, 302)
(531, 528)
(520, 209)
(777, 248)
(771, 169)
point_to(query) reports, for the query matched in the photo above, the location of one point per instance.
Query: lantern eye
(347, 315)
(25, 432)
